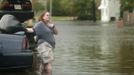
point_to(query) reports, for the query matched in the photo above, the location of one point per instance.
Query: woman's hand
(30, 30)
(51, 25)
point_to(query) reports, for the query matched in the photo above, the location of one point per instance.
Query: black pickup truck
(14, 44)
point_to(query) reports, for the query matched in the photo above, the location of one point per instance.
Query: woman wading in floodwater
(45, 31)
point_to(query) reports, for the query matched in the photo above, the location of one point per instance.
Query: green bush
(85, 17)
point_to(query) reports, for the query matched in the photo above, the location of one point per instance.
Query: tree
(83, 9)
(37, 6)
(127, 5)
(62, 7)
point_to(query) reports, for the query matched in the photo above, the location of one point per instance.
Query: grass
(62, 18)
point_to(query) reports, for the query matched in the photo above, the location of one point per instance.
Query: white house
(109, 9)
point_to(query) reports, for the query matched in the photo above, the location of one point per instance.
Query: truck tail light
(25, 44)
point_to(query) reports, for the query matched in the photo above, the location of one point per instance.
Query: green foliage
(127, 5)
(62, 7)
(85, 17)
(83, 9)
(37, 6)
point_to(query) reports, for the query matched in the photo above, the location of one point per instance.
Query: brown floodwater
(88, 48)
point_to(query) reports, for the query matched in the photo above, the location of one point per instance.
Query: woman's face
(46, 17)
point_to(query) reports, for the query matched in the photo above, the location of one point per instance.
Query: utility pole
(50, 9)
(46, 4)
(94, 10)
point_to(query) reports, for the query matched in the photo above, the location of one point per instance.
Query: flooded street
(87, 48)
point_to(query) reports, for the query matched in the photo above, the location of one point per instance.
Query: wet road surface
(87, 48)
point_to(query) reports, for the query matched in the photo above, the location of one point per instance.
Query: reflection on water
(87, 48)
